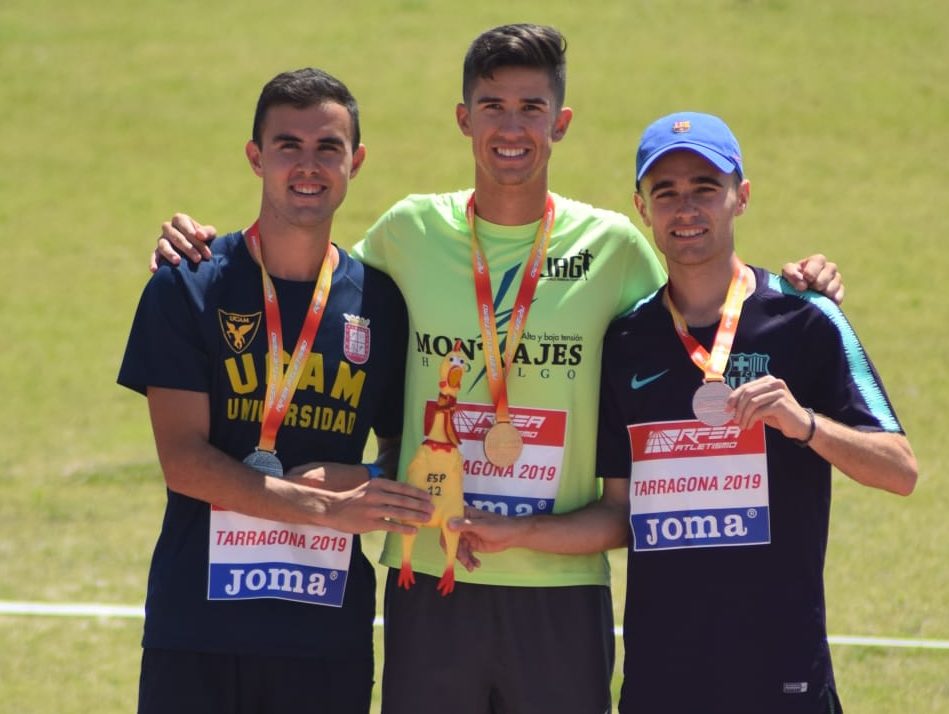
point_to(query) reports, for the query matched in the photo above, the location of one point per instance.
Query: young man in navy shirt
(727, 396)
(278, 351)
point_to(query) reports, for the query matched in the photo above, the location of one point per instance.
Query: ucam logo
(709, 528)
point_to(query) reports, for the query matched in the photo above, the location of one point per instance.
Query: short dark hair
(302, 88)
(521, 45)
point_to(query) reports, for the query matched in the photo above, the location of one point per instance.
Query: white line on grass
(886, 642)
(137, 611)
(66, 609)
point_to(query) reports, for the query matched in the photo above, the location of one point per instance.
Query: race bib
(698, 486)
(530, 484)
(251, 558)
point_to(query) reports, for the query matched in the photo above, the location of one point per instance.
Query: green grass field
(115, 114)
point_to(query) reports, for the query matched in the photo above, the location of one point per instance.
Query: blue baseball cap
(704, 134)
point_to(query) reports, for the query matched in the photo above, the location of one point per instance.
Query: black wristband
(810, 432)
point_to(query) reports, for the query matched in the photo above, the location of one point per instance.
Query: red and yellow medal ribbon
(497, 370)
(280, 384)
(713, 364)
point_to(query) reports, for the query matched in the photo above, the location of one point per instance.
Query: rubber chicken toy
(437, 468)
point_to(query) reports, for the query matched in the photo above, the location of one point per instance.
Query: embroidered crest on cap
(238, 330)
(681, 127)
(356, 338)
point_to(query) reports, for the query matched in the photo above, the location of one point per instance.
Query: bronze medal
(503, 444)
(265, 461)
(708, 403)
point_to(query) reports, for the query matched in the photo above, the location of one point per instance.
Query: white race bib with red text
(250, 558)
(698, 486)
(530, 485)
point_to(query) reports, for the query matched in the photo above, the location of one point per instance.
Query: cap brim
(722, 163)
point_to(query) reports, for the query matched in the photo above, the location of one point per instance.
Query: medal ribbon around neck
(496, 370)
(713, 365)
(280, 384)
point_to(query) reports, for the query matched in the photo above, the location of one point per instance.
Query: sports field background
(114, 114)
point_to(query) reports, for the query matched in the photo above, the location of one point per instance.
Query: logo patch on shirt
(356, 339)
(746, 367)
(238, 330)
(794, 687)
(692, 440)
(570, 267)
(637, 383)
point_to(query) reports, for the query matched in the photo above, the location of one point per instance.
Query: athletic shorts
(685, 701)
(200, 683)
(492, 649)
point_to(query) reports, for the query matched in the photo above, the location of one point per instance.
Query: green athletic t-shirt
(598, 265)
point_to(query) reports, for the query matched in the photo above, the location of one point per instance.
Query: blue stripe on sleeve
(641, 302)
(857, 360)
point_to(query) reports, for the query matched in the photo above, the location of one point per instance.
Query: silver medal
(708, 403)
(265, 461)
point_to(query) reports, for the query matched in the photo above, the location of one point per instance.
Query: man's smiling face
(513, 120)
(305, 160)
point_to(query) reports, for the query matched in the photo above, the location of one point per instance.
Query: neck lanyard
(280, 384)
(713, 365)
(496, 370)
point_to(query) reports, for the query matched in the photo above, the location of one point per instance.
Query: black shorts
(491, 649)
(689, 698)
(201, 683)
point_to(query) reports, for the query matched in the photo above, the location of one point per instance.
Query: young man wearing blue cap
(726, 398)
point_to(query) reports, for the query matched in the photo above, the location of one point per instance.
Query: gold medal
(503, 444)
(708, 403)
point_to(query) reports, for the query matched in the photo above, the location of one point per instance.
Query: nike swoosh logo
(638, 383)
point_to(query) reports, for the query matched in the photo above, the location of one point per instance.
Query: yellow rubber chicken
(437, 468)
